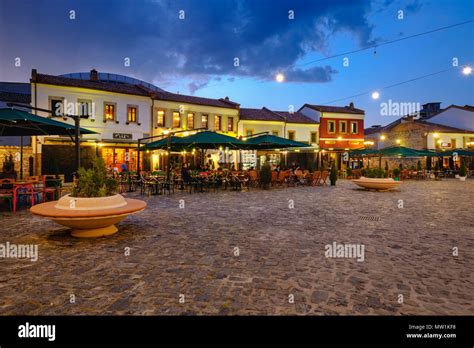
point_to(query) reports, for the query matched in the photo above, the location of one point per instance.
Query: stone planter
(462, 178)
(89, 217)
(379, 184)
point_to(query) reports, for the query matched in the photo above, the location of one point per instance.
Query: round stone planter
(379, 184)
(89, 217)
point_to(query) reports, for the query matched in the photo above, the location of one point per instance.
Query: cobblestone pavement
(190, 254)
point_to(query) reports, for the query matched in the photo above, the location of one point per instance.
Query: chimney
(34, 73)
(94, 76)
(226, 98)
(351, 105)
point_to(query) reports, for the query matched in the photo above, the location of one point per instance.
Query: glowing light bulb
(280, 77)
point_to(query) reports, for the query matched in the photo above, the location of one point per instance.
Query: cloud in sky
(197, 49)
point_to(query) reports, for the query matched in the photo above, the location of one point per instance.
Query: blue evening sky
(195, 55)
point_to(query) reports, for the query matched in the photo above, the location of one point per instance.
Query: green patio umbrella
(460, 152)
(362, 152)
(268, 141)
(201, 140)
(427, 153)
(396, 151)
(15, 122)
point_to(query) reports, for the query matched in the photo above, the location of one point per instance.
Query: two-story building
(341, 129)
(285, 124)
(431, 128)
(118, 108)
(177, 112)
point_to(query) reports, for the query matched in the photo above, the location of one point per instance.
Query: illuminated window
(132, 113)
(109, 111)
(160, 118)
(230, 124)
(291, 135)
(313, 137)
(217, 122)
(190, 121)
(56, 105)
(275, 133)
(343, 127)
(204, 121)
(354, 128)
(331, 126)
(176, 119)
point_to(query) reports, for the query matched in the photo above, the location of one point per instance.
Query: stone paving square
(189, 255)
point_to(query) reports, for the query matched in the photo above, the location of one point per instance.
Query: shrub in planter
(396, 173)
(349, 173)
(333, 175)
(265, 175)
(94, 182)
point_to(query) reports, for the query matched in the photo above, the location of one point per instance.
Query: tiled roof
(135, 89)
(335, 109)
(430, 125)
(265, 114)
(116, 87)
(373, 130)
(181, 98)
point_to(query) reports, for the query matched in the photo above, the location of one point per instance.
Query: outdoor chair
(282, 177)
(274, 178)
(253, 177)
(51, 187)
(315, 178)
(324, 176)
(300, 178)
(24, 193)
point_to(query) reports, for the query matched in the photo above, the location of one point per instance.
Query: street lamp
(280, 77)
(375, 95)
(467, 70)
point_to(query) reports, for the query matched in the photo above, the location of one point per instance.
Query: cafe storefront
(119, 153)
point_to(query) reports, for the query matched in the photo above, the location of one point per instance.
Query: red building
(341, 129)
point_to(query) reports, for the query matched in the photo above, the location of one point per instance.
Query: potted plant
(333, 174)
(396, 174)
(93, 207)
(462, 172)
(418, 166)
(349, 172)
(265, 175)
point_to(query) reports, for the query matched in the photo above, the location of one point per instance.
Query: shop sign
(123, 136)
